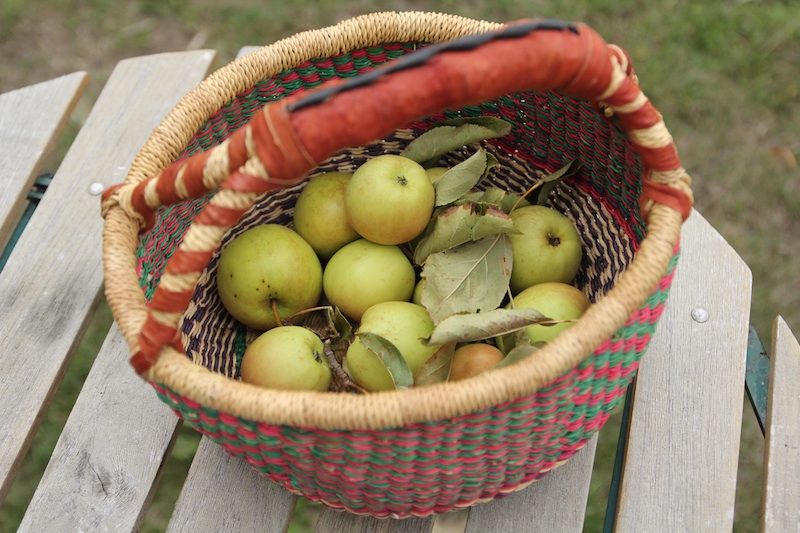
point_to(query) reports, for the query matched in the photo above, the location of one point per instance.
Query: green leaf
(470, 278)
(505, 201)
(485, 325)
(519, 353)
(461, 178)
(391, 358)
(437, 368)
(338, 323)
(551, 181)
(461, 224)
(452, 135)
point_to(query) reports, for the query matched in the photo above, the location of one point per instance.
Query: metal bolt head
(96, 188)
(700, 314)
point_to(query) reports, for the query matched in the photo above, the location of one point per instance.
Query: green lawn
(725, 75)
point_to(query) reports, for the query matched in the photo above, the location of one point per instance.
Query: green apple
(548, 247)
(319, 215)
(416, 297)
(434, 173)
(287, 358)
(389, 199)
(555, 300)
(472, 359)
(363, 273)
(404, 324)
(265, 270)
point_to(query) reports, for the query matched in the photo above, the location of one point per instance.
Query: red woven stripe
(171, 301)
(184, 262)
(216, 215)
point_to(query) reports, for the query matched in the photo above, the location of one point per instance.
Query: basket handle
(289, 137)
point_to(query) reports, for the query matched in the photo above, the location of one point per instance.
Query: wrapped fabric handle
(289, 137)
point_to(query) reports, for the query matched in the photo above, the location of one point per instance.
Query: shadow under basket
(428, 449)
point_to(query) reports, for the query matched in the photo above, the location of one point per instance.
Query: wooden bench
(683, 430)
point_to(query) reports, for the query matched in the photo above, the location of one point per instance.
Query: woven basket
(235, 152)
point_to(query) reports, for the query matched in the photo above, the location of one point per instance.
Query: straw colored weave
(433, 448)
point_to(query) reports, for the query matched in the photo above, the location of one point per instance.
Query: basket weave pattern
(400, 457)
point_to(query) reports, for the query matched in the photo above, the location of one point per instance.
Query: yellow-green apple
(287, 358)
(416, 297)
(319, 215)
(555, 300)
(405, 325)
(434, 173)
(389, 199)
(472, 359)
(268, 270)
(548, 247)
(363, 273)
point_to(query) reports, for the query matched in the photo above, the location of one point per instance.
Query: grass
(722, 72)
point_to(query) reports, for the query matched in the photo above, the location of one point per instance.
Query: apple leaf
(453, 134)
(468, 278)
(460, 224)
(551, 181)
(505, 201)
(519, 353)
(338, 323)
(458, 180)
(391, 358)
(437, 368)
(485, 325)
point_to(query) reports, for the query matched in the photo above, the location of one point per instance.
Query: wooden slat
(103, 468)
(557, 502)
(31, 119)
(331, 521)
(51, 283)
(781, 494)
(683, 443)
(223, 493)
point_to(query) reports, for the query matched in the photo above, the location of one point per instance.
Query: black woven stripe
(423, 55)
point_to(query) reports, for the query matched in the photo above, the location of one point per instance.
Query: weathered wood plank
(223, 493)
(781, 491)
(51, 283)
(102, 471)
(557, 502)
(331, 521)
(683, 443)
(31, 119)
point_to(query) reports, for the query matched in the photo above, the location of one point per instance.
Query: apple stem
(344, 381)
(530, 190)
(309, 310)
(274, 304)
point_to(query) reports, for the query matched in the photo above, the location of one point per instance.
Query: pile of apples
(369, 252)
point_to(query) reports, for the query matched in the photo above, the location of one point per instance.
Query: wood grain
(31, 120)
(331, 521)
(557, 502)
(683, 443)
(52, 281)
(104, 467)
(781, 490)
(223, 493)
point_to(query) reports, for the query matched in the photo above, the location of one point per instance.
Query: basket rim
(338, 410)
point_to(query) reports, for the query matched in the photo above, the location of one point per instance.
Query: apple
(548, 247)
(389, 199)
(363, 273)
(555, 300)
(405, 325)
(416, 297)
(265, 270)
(287, 358)
(434, 173)
(319, 215)
(472, 359)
